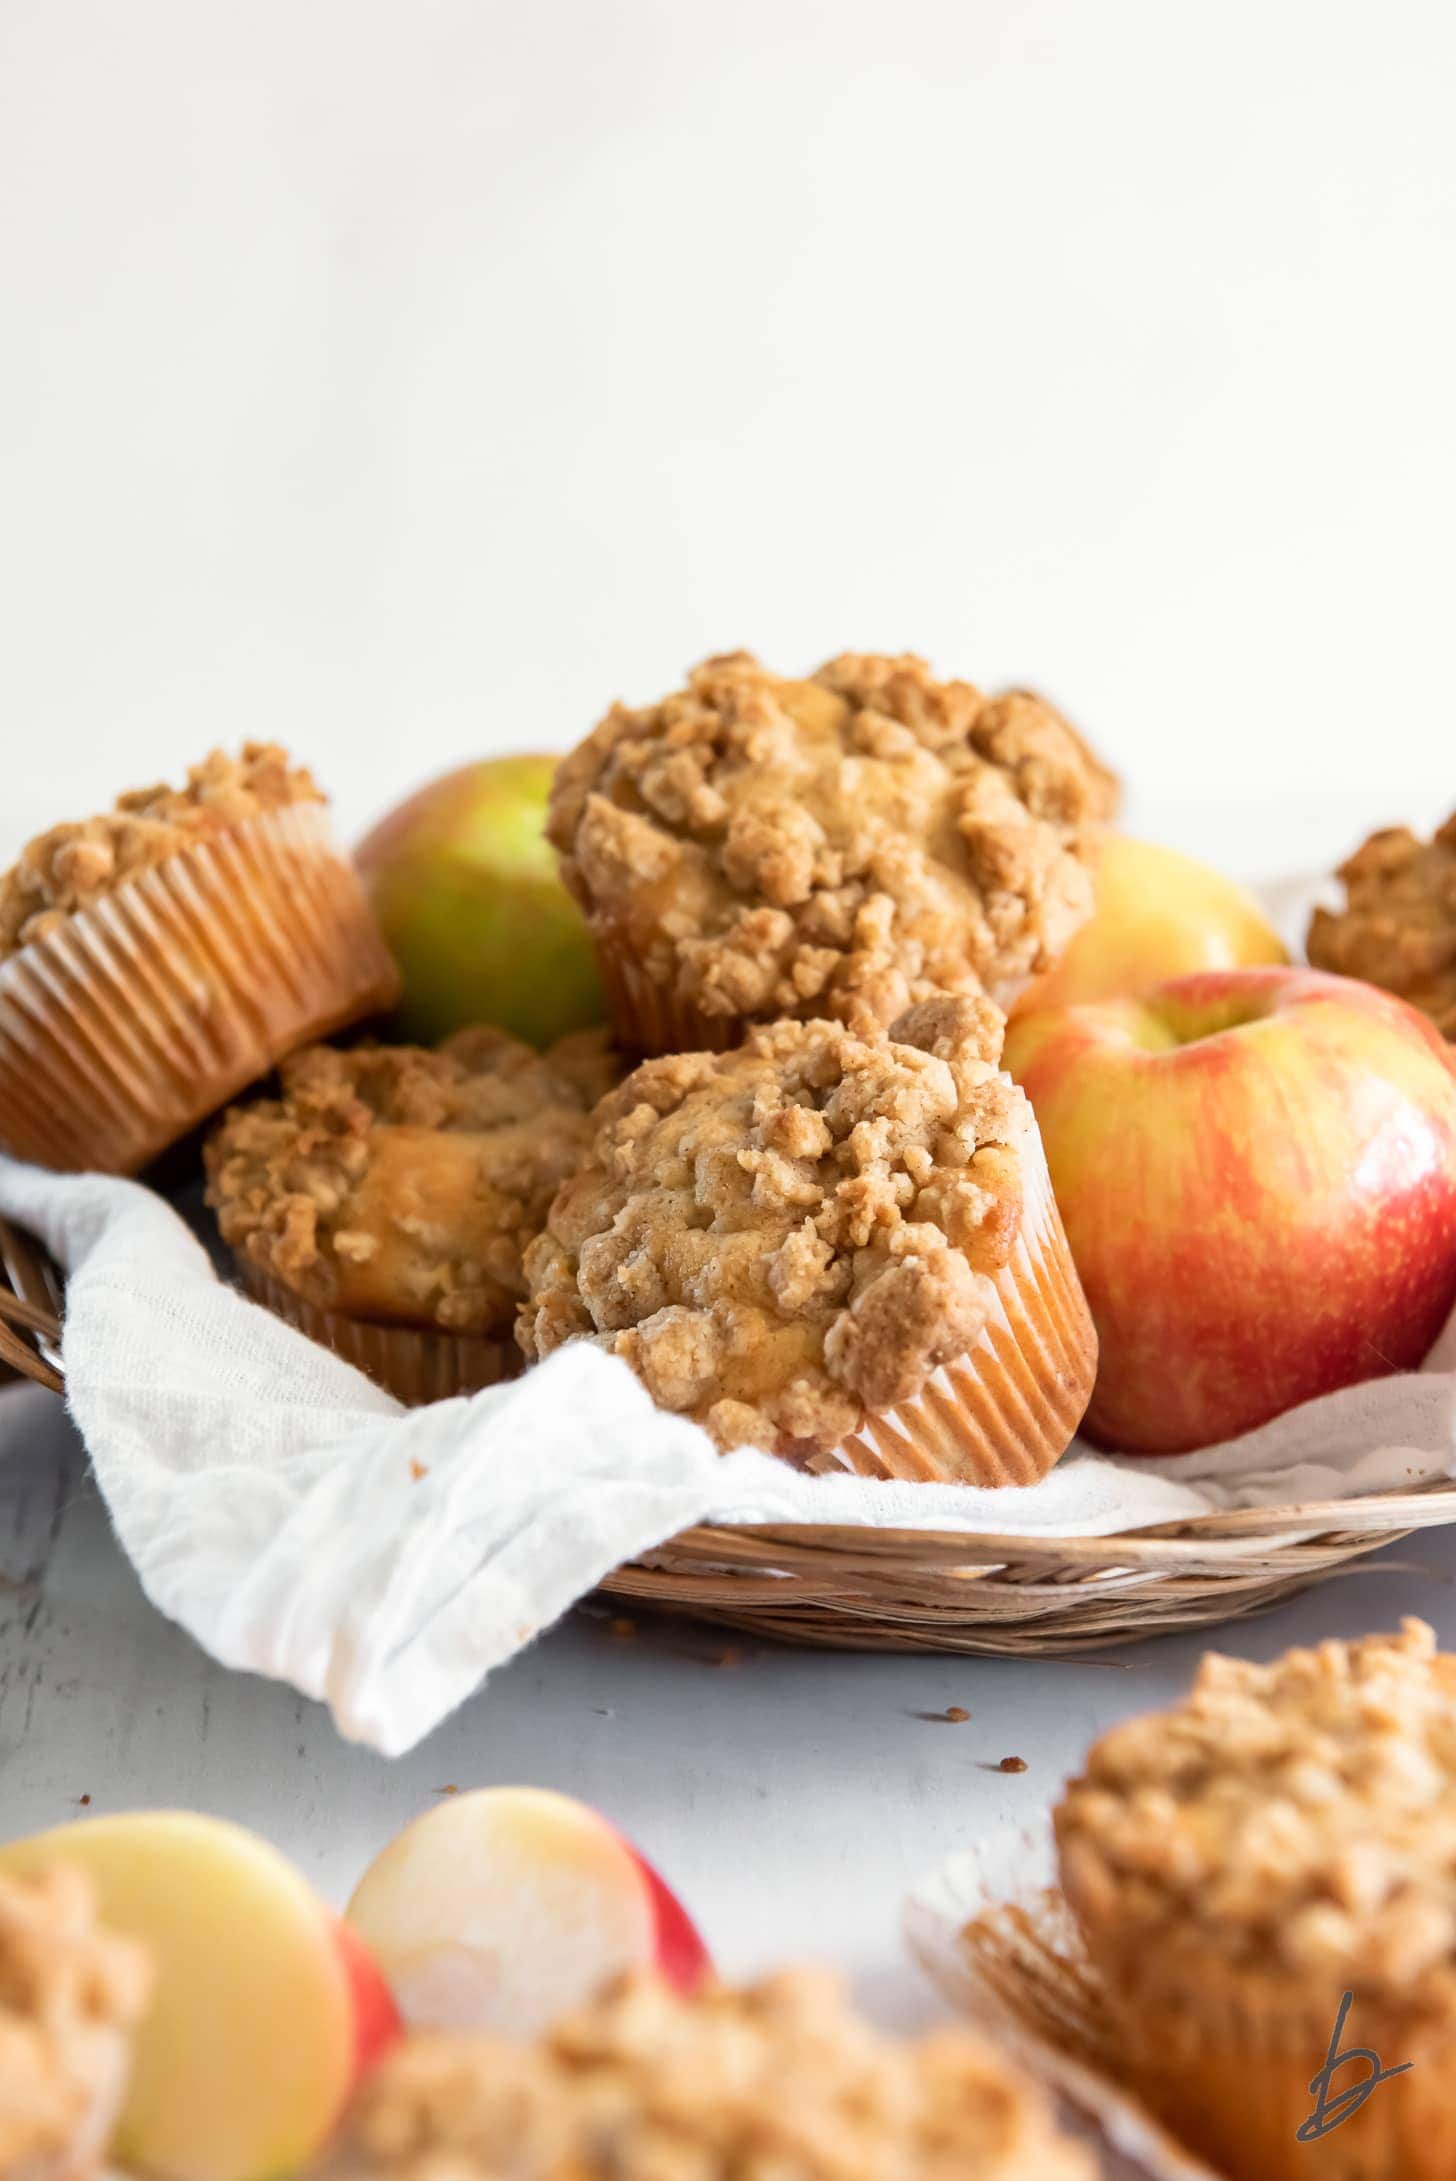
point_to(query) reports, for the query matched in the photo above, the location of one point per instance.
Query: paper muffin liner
(648, 1019)
(147, 1010)
(995, 1935)
(418, 1364)
(1007, 1410)
(1230, 2060)
(1209, 2079)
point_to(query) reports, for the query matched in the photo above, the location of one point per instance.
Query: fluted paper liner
(649, 1019)
(416, 1363)
(1209, 2083)
(996, 1936)
(1006, 1411)
(147, 1010)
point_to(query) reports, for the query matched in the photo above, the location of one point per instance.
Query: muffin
(155, 960)
(1104, 785)
(1283, 1837)
(383, 1201)
(1398, 926)
(753, 847)
(69, 1997)
(842, 1249)
(780, 2080)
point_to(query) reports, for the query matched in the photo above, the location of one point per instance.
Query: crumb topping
(782, 1238)
(1398, 926)
(402, 1185)
(68, 1996)
(842, 846)
(1104, 786)
(62, 871)
(779, 2082)
(1301, 1815)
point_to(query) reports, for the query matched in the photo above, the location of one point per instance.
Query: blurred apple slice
(502, 1909)
(266, 2008)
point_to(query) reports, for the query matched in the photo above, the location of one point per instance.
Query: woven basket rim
(32, 1307)
(848, 1587)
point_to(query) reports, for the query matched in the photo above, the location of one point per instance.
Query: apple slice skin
(250, 2050)
(377, 2023)
(681, 1955)
(502, 1909)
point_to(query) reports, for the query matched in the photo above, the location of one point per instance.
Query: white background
(405, 378)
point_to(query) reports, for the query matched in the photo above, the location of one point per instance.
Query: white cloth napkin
(299, 1523)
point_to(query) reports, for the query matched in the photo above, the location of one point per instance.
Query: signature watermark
(1331, 2108)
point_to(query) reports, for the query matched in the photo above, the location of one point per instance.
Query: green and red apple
(1257, 1172)
(266, 2009)
(465, 885)
(503, 1909)
(1156, 914)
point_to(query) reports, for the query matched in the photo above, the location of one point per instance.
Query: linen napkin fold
(299, 1523)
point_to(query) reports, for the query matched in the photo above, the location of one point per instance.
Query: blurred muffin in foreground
(755, 847)
(779, 2079)
(155, 960)
(383, 1202)
(841, 1249)
(1284, 1836)
(69, 1996)
(1398, 926)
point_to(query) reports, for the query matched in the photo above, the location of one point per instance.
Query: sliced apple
(502, 1909)
(265, 2009)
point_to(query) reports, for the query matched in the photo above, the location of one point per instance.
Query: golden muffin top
(68, 1996)
(780, 2079)
(782, 1238)
(71, 866)
(402, 1185)
(1296, 1817)
(842, 846)
(1398, 926)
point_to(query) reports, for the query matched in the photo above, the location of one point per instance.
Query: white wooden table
(792, 1797)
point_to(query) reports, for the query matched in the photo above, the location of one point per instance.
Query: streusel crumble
(73, 865)
(1398, 926)
(395, 1183)
(1302, 1813)
(755, 847)
(69, 1996)
(788, 1238)
(778, 2082)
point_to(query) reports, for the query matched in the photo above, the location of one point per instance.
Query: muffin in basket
(1284, 1837)
(754, 847)
(1398, 926)
(779, 2079)
(69, 1998)
(155, 960)
(382, 1202)
(842, 1249)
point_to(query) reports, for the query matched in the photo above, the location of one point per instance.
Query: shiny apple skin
(1156, 914)
(1257, 1171)
(465, 885)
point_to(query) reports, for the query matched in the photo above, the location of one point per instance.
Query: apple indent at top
(755, 847)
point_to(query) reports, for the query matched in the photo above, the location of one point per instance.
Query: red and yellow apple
(465, 886)
(1156, 914)
(1257, 1171)
(502, 1909)
(266, 2009)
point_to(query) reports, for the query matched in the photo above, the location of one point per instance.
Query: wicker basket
(856, 1589)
